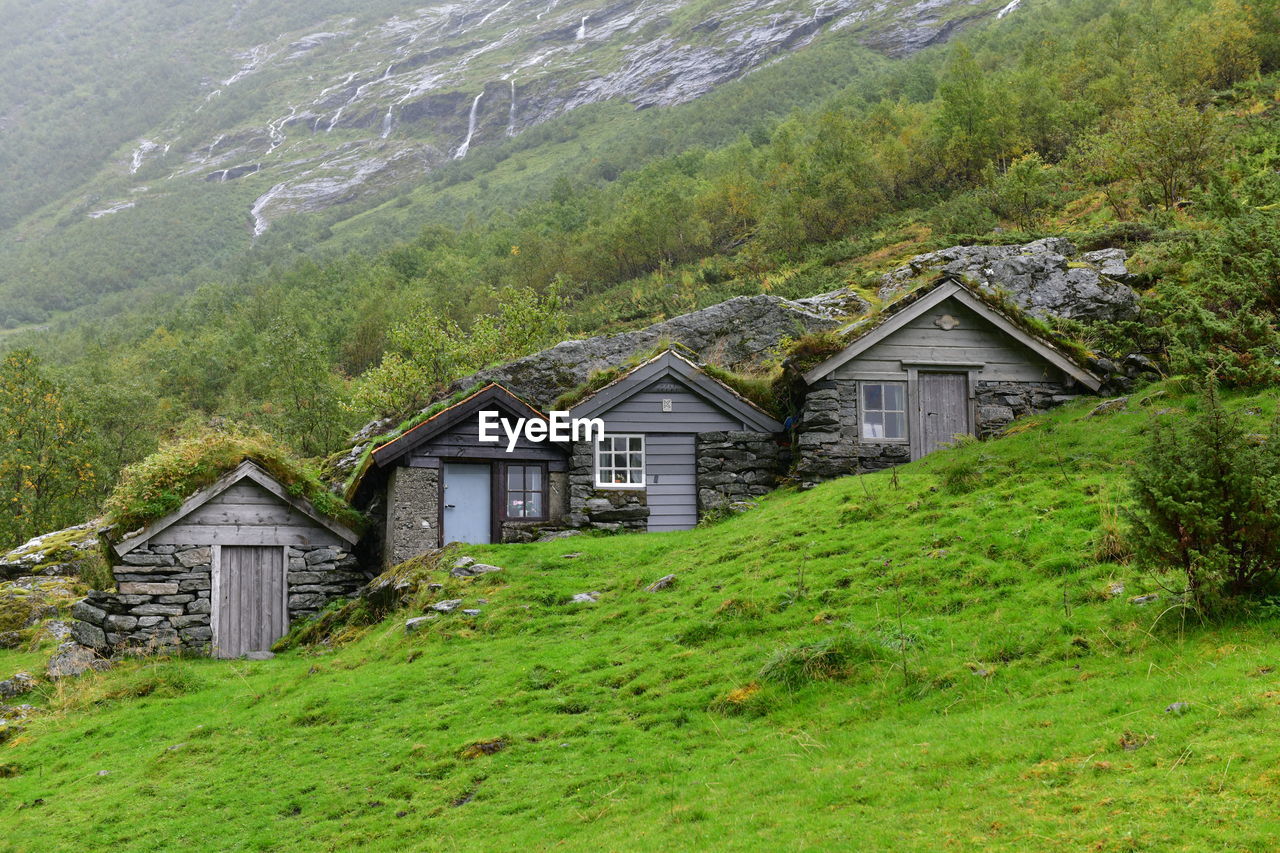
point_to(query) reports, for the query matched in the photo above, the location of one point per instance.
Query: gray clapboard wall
(245, 514)
(975, 341)
(690, 413)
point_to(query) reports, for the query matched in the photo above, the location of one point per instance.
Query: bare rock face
(73, 659)
(53, 554)
(741, 332)
(1044, 278)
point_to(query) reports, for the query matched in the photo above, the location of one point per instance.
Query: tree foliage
(1206, 496)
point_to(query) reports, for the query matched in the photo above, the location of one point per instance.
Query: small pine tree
(1207, 503)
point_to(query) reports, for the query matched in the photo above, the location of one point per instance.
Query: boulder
(73, 659)
(418, 622)
(17, 685)
(473, 570)
(447, 606)
(661, 583)
(586, 598)
(89, 635)
(1044, 278)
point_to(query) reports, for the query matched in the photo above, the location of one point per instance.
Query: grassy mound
(947, 657)
(159, 484)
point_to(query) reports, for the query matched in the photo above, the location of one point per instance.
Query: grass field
(936, 660)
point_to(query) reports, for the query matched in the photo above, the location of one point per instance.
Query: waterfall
(1007, 9)
(551, 4)
(388, 122)
(582, 30)
(511, 115)
(471, 129)
(335, 118)
(260, 222)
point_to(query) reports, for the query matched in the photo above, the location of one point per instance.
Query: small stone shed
(444, 485)
(941, 361)
(678, 442)
(225, 573)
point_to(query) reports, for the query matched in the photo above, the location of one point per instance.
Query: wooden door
(671, 474)
(944, 409)
(251, 606)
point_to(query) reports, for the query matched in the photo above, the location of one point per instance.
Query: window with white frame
(620, 461)
(884, 411)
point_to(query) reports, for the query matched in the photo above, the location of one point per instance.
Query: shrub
(1206, 497)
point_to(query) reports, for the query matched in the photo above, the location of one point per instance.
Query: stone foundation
(999, 403)
(602, 509)
(162, 598)
(736, 466)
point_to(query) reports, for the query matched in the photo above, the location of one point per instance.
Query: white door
(467, 505)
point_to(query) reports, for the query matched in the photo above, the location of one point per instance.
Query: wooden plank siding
(690, 413)
(250, 599)
(976, 342)
(463, 442)
(246, 514)
(671, 477)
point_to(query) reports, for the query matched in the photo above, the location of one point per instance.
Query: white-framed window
(620, 462)
(884, 411)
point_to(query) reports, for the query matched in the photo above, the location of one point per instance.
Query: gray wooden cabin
(940, 363)
(676, 442)
(444, 485)
(227, 571)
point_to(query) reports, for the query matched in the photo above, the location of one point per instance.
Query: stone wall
(828, 445)
(162, 598)
(737, 466)
(413, 513)
(827, 436)
(602, 509)
(998, 403)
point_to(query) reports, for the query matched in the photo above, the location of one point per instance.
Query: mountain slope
(189, 134)
(976, 678)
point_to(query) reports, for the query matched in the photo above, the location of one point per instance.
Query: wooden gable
(247, 506)
(671, 394)
(951, 327)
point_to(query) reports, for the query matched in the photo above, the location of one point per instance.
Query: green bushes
(1206, 494)
(160, 483)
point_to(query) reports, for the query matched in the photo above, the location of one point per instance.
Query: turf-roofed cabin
(445, 485)
(676, 442)
(226, 572)
(941, 362)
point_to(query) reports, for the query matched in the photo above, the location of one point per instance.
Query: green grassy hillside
(935, 659)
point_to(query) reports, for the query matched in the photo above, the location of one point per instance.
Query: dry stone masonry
(162, 598)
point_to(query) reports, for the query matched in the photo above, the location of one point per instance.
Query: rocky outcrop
(60, 553)
(742, 332)
(1044, 278)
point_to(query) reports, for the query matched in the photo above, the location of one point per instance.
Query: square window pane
(637, 443)
(872, 397)
(515, 477)
(893, 398)
(515, 505)
(873, 425)
(895, 425)
(533, 478)
(636, 460)
(533, 505)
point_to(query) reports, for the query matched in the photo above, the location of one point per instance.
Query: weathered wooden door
(251, 603)
(944, 409)
(671, 472)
